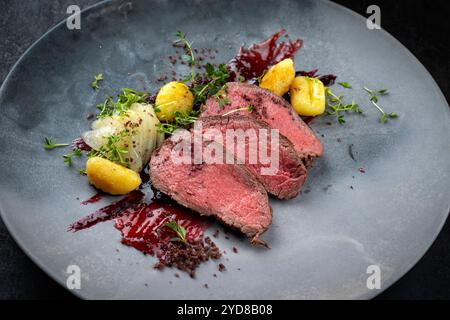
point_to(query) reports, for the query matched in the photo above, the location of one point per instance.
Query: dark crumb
(117, 250)
(239, 269)
(151, 99)
(221, 267)
(170, 282)
(177, 275)
(328, 123)
(362, 170)
(78, 198)
(338, 139)
(350, 152)
(327, 187)
(162, 78)
(306, 191)
(172, 59)
(235, 250)
(187, 257)
(353, 177)
(224, 252)
(215, 275)
(227, 237)
(351, 187)
(216, 234)
(206, 285)
(90, 116)
(146, 284)
(322, 135)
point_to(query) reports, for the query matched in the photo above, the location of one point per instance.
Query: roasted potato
(172, 97)
(279, 77)
(111, 177)
(308, 96)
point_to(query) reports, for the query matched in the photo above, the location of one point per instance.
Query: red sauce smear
(141, 216)
(251, 62)
(144, 227)
(95, 198)
(327, 79)
(308, 120)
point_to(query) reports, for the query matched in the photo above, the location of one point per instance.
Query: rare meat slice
(271, 157)
(229, 192)
(270, 108)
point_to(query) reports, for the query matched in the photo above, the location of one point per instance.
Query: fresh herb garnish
(49, 144)
(181, 119)
(97, 79)
(114, 149)
(336, 106)
(259, 79)
(189, 57)
(248, 108)
(345, 85)
(178, 229)
(374, 99)
(375, 93)
(68, 157)
(157, 108)
(221, 97)
(215, 85)
(124, 101)
(82, 171)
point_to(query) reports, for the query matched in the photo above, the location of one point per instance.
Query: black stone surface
(422, 26)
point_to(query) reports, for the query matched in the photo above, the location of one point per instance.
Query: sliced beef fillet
(229, 192)
(270, 108)
(271, 157)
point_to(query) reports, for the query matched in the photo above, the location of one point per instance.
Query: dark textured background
(422, 26)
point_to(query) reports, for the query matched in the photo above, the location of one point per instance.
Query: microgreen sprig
(114, 149)
(124, 101)
(216, 85)
(345, 85)
(181, 119)
(189, 57)
(337, 106)
(97, 79)
(178, 229)
(384, 116)
(49, 144)
(68, 157)
(248, 108)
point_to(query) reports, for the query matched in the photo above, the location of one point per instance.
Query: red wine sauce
(141, 215)
(95, 198)
(251, 62)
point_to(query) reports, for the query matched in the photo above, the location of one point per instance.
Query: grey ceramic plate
(322, 242)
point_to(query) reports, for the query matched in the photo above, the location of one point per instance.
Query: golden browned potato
(111, 177)
(308, 96)
(279, 77)
(172, 97)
